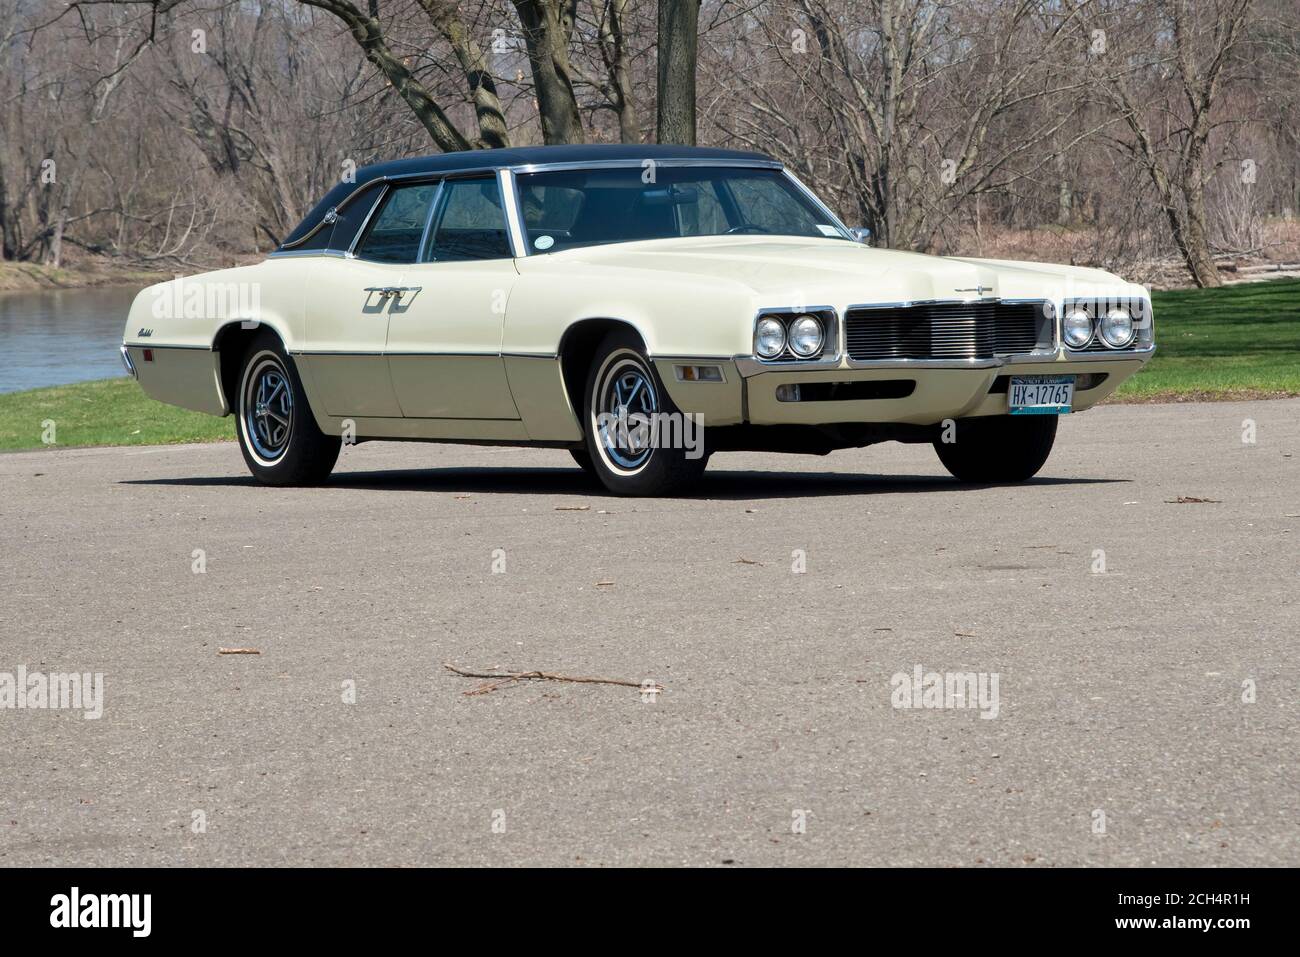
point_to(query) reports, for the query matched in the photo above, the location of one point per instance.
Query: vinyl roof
(515, 156)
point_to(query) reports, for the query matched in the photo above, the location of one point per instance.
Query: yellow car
(641, 306)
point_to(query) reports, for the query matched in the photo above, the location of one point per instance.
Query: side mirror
(861, 234)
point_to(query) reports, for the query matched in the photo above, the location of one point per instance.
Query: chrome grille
(947, 330)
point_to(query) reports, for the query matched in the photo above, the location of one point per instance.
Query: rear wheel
(998, 448)
(277, 433)
(632, 426)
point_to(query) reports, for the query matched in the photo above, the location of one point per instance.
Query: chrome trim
(908, 303)
(305, 253)
(443, 355)
(832, 348)
(519, 169)
(325, 220)
(993, 363)
(155, 346)
(1110, 355)
(1138, 307)
(529, 355)
(845, 232)
(423, 250)
(514, 213)
(1038, 355)
(365, 223)
(515, 171)
(317, 352)
(126, 361)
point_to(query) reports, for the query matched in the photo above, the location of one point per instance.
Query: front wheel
(998, 448)
(279, 438)
(638, 442)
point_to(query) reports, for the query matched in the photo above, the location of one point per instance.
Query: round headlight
(770, 338)
(1076, 327)
(806, 337)
(1117, 328)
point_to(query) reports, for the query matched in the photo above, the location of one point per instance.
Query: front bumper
(935, 389)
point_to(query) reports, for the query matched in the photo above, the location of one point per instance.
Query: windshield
(570, 208)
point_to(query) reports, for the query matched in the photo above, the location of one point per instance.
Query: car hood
(799, 271)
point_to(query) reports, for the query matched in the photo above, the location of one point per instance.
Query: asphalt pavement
(1131, 617)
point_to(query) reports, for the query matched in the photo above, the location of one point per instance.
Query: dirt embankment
(30, 277)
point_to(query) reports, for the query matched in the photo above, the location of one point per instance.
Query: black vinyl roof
(515, 156)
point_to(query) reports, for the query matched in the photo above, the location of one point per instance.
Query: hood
(814, 271)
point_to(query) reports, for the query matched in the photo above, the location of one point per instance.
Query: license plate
(1041, 394)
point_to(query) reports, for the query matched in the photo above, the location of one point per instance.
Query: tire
(583, 461)
(998, 448)
(633, 467)
(277, 433)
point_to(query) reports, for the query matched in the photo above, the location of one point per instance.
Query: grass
(106, 412)
(1228, 343)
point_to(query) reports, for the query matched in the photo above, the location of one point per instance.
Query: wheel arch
(578, 347)
(230, 343)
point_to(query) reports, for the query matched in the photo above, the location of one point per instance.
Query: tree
(678, 52)
(1180, 61)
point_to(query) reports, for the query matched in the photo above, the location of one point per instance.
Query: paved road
(1118, 693)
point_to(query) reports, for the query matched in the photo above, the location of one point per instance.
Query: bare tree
(1181, 57)
(678, 44)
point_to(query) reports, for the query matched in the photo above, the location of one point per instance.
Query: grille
(947, 330)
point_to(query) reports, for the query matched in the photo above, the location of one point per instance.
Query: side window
(470, 224)
(396, 229)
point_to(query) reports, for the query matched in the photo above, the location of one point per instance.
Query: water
(56, 336)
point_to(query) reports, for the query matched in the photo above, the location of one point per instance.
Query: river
(56, 336)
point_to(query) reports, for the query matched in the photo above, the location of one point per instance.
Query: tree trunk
(368, 34)
(546, 26)
(1196, 244)
(492, 130)
(615, 41)
(678, 46)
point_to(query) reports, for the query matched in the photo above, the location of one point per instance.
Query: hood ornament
(978, 290)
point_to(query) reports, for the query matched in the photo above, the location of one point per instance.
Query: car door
(351, 301)
(444, 340)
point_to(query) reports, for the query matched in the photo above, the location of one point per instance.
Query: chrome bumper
(126, 361)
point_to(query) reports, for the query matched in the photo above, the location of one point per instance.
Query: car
(643, 307)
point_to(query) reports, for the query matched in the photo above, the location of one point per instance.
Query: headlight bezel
(1141, 336)
(827, 349)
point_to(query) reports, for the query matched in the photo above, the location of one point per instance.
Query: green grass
(1234, 342)
(106, 412)
(1231, 342)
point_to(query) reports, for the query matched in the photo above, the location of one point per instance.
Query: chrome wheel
(267, 411)
(624, 408)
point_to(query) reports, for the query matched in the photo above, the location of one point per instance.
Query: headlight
(1117, 328)
(1076, 327)
(770, 338)
(806, 337)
